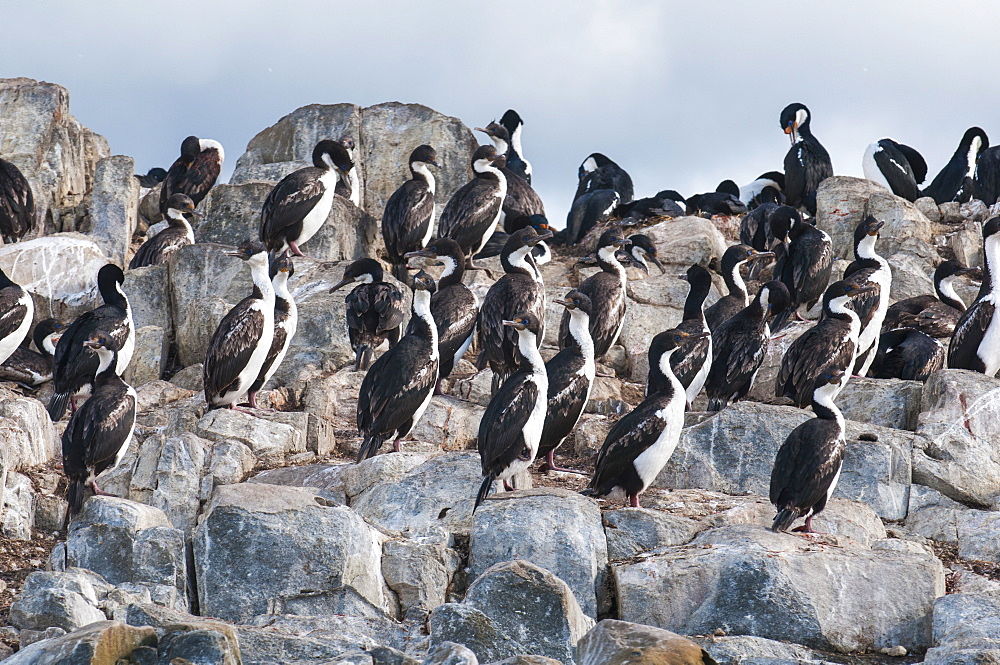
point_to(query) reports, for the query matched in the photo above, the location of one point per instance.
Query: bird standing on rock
(512, 424)
(374, 310)
(933, 315)
(408, 219)
(17, 309)
(98, 434)
(286, 321)
(515, 155)
(955, 181)
(398, 388)
(976, 342)
(807, 466)
(640, 444)
(599, 172)
(737, 297)
(692, 361)
(33, 368)
(807, 162)
(299, 205)
(472, 213)
(17, 203)
(194, 172)
(805, 260)
(158, 249)
(350, 186)
(519, 290)
(520, 199)
(869, 269)
(897, 167)
(242, 342)
(74, 365)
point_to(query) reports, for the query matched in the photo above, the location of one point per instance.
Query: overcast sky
(680, 94)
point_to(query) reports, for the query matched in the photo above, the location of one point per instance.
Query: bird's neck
(453, 272)
(5, 281)
(113, 295)
(107, 360)
(515, 142)
(501, 145)
(865, 249)
(280, 285)
(734, 282)
(991, 275)
(521, 261)
(262, 287)
(579, 329)
(841, 310)
(423, 320)
(527, 347)
(946, 293)
(420, 171)
(667, 376)
(823, 406)
(607, 259)
(694, 305)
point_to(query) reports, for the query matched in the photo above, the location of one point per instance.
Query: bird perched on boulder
(511, 427)
(472, 213)
(897, 167)
(299, 205)
(97, 435)
(869, 269)
(807, 162)
(975, 344)
(804, 260)
(17, 203)
(807, 466)
(515, 155)
(33, 368)
(599, 172)
(642, 441)
(374, 310)
(408, 219)
(520, 199)
(737, 297)
(158, 249)
(955, 181)
(242, 341)
(398, 388)
(286, 321)
(193, 173)
(692, 361)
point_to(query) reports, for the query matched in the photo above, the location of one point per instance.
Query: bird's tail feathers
(717, 404)
(57, 406)
(369, 447)
(363, 358)
(484, 489)
(74, 496)
(784, 519)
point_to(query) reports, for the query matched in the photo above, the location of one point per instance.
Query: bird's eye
(677, 338)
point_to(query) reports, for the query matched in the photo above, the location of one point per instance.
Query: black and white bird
(908, 354)
(666, 203)
(374, 310)
(597, 171)
(588, 210)
(520, 199)
(17, 310)
(511, 427)
(767, 188)
(350, 186)
(242, 342)
(736, 297)
(739, 345)
(300, 203)
(641, 442)
(33, 368)
(954, 182)
(987, 180)
(194, 172)
(807, 163)
(518, 291)
(869, 269)
(74, 365)
(397, 389)
(158, 249)
(454, 306)
(933, 315)
(642, 251)
(286, 321)
(152, 178)
(807, 466)
(17, 203)
(692, 361)
(607, 294)
(98, 434)
(804, 262)
(571, 376)
(725, 200)
(541, 252)
(897, 167)
(833, 341)
(408, 219)
(515, 154)
(472, 213)
(976, 342)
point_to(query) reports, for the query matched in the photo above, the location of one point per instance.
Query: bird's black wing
(17, 204)
(289, 202)
(466, 216)
(521, 200)
(201, 175)
(388, 302)
(568, 388)
(969, 332)
(231, 346)
(812, 268)
(630, 437)
(173, 182)
(688, 360)
(107, 424)
(806, 465)
(454, 310)
(916, 161)
(394, 387)
(509, 296)
(896, 170)
(406, 218)
(819, 347)
(12, 312)
(501, 431)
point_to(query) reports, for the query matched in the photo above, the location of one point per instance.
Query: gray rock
(555, 529)
(589, 435)
(149, 296)
(56, 154)
(929, 208)
(149, 205)
(114, 207)
(933, 515)
(280, 639)
(67, 600)
(614, 642)
(438, 492)
(98, 642)
(127, 542)
(884, 402)
(204, 645)
(419, 571)
(951, 212)
(734, 452)
(958, 656)
(150, 360)
(632, 531)
(327, 477)
(28, 637)
(190, 378)
(361, 477)
(459, 623)
(967, 243)
(979, 535)
(967, 621)
(729, 578)
(960, 425)
(37, 442)
(50, 513)
(268, 440)
(532, 606)
(750, 650)
(911, 275)
(449, 423)
(449, 653)
(254, 524)
(18, 507)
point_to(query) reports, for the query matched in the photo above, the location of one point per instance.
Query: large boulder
(554, 529)
(99, 642)
(960, 425)
(56, 154)
(614, 642)
(966, 629)
(747, 580)
(68, 600)
(114, 207)
(256, 546)
(34, 442)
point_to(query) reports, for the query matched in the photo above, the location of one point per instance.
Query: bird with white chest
(242, 341)
(16, 312)
(193, 173)
(975, 344)
(511, 427)
(158, 249)
(408, 218)
(472, 213)
(869, 269)
(286, 321)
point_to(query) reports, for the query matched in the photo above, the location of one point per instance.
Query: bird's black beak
(420, 253)
(434, 162)
(531, 242)
(517, 325)
(701, 335)
(837, 378)
(341, 283)
(656, 262)
(762, 255)
(234, 252)
(564, 303)
(92, 344)
(864, 289)
(875, 229)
